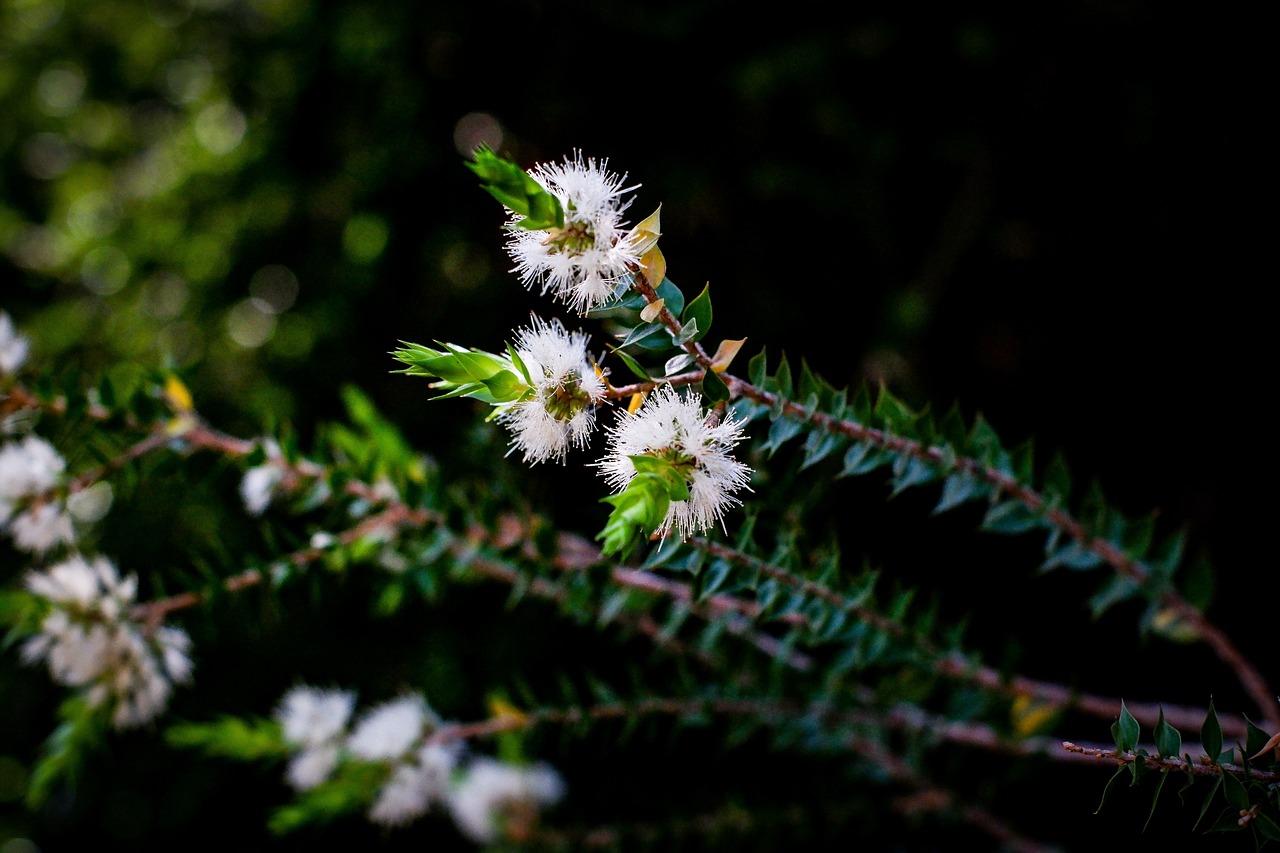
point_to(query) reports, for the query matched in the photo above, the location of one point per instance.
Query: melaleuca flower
(675, 429)
(29, 470)
(391, 730)
(558, 412)
(260, 483)
(89, 641)
(13, 346)
(415, 786)
(579, 264)
(315, 721)
(495, 799)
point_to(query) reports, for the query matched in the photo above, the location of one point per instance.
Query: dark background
(1040, 214)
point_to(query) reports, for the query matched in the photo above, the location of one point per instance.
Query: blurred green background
(1031, 212)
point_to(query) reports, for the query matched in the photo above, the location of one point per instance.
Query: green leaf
(646, 335)
(1010, 517)
(1155, 798)
(959, 488)
(637, 512)
(698, 313)
(1125, 730)
(1267, 827)
(1168, 740)
(516, 189)
(1107, 788)
(1211, 734)
(1233, 789)
(1255, 738)
(713, 388)
(231, 737)
(505, 387)
(632, 365)
(911, 471)
(781, 431)
(1208, 800)
(862, 458)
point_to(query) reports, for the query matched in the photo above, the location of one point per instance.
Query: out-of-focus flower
(89, 641)
(496, 800)
(316, 721)
(259, 484)
(390, 730)
(13, 346)
(29, 470)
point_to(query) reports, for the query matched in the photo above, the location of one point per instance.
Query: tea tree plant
(728, 615)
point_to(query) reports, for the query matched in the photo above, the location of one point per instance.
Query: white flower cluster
(675, 428)
(487, 798)
(560, 411)
(579, 264)
(13, 346)
(259, 484)
(29, 470)
(89, 641)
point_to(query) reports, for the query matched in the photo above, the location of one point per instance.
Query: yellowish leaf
(655, 266)
(1270, 745)
(501, 709)
(646, 233)
(177, 395)
(651, 311)
(1030, 716)
(725, 353)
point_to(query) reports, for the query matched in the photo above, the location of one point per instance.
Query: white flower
(414, 787)
(495, 798)
(89, 640)
(41, 528)
(580, 263)
(315, 720)
(13, 346)
(260, 483)
(676, 429)
(391, 729)
(27, 468)
(310, 716)
(560, 412)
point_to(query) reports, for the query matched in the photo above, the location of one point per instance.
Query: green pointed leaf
(632, 365)
(698, 313)
(517, 190)
(1057, 480)
(1255, 738)
(1155, 798)
(1010, 517)
(1168, 740)
(1233, 789)
(1107, 788)
(781, 431)
(959, 488)
(819, 444)
(1267, 827)
(713, 388)
(911, 471)
(1211, 734)
(1125, 730)
(647, 335)
(1073, 555)
(862, 458)
(1208, 800)
(1114, 591)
